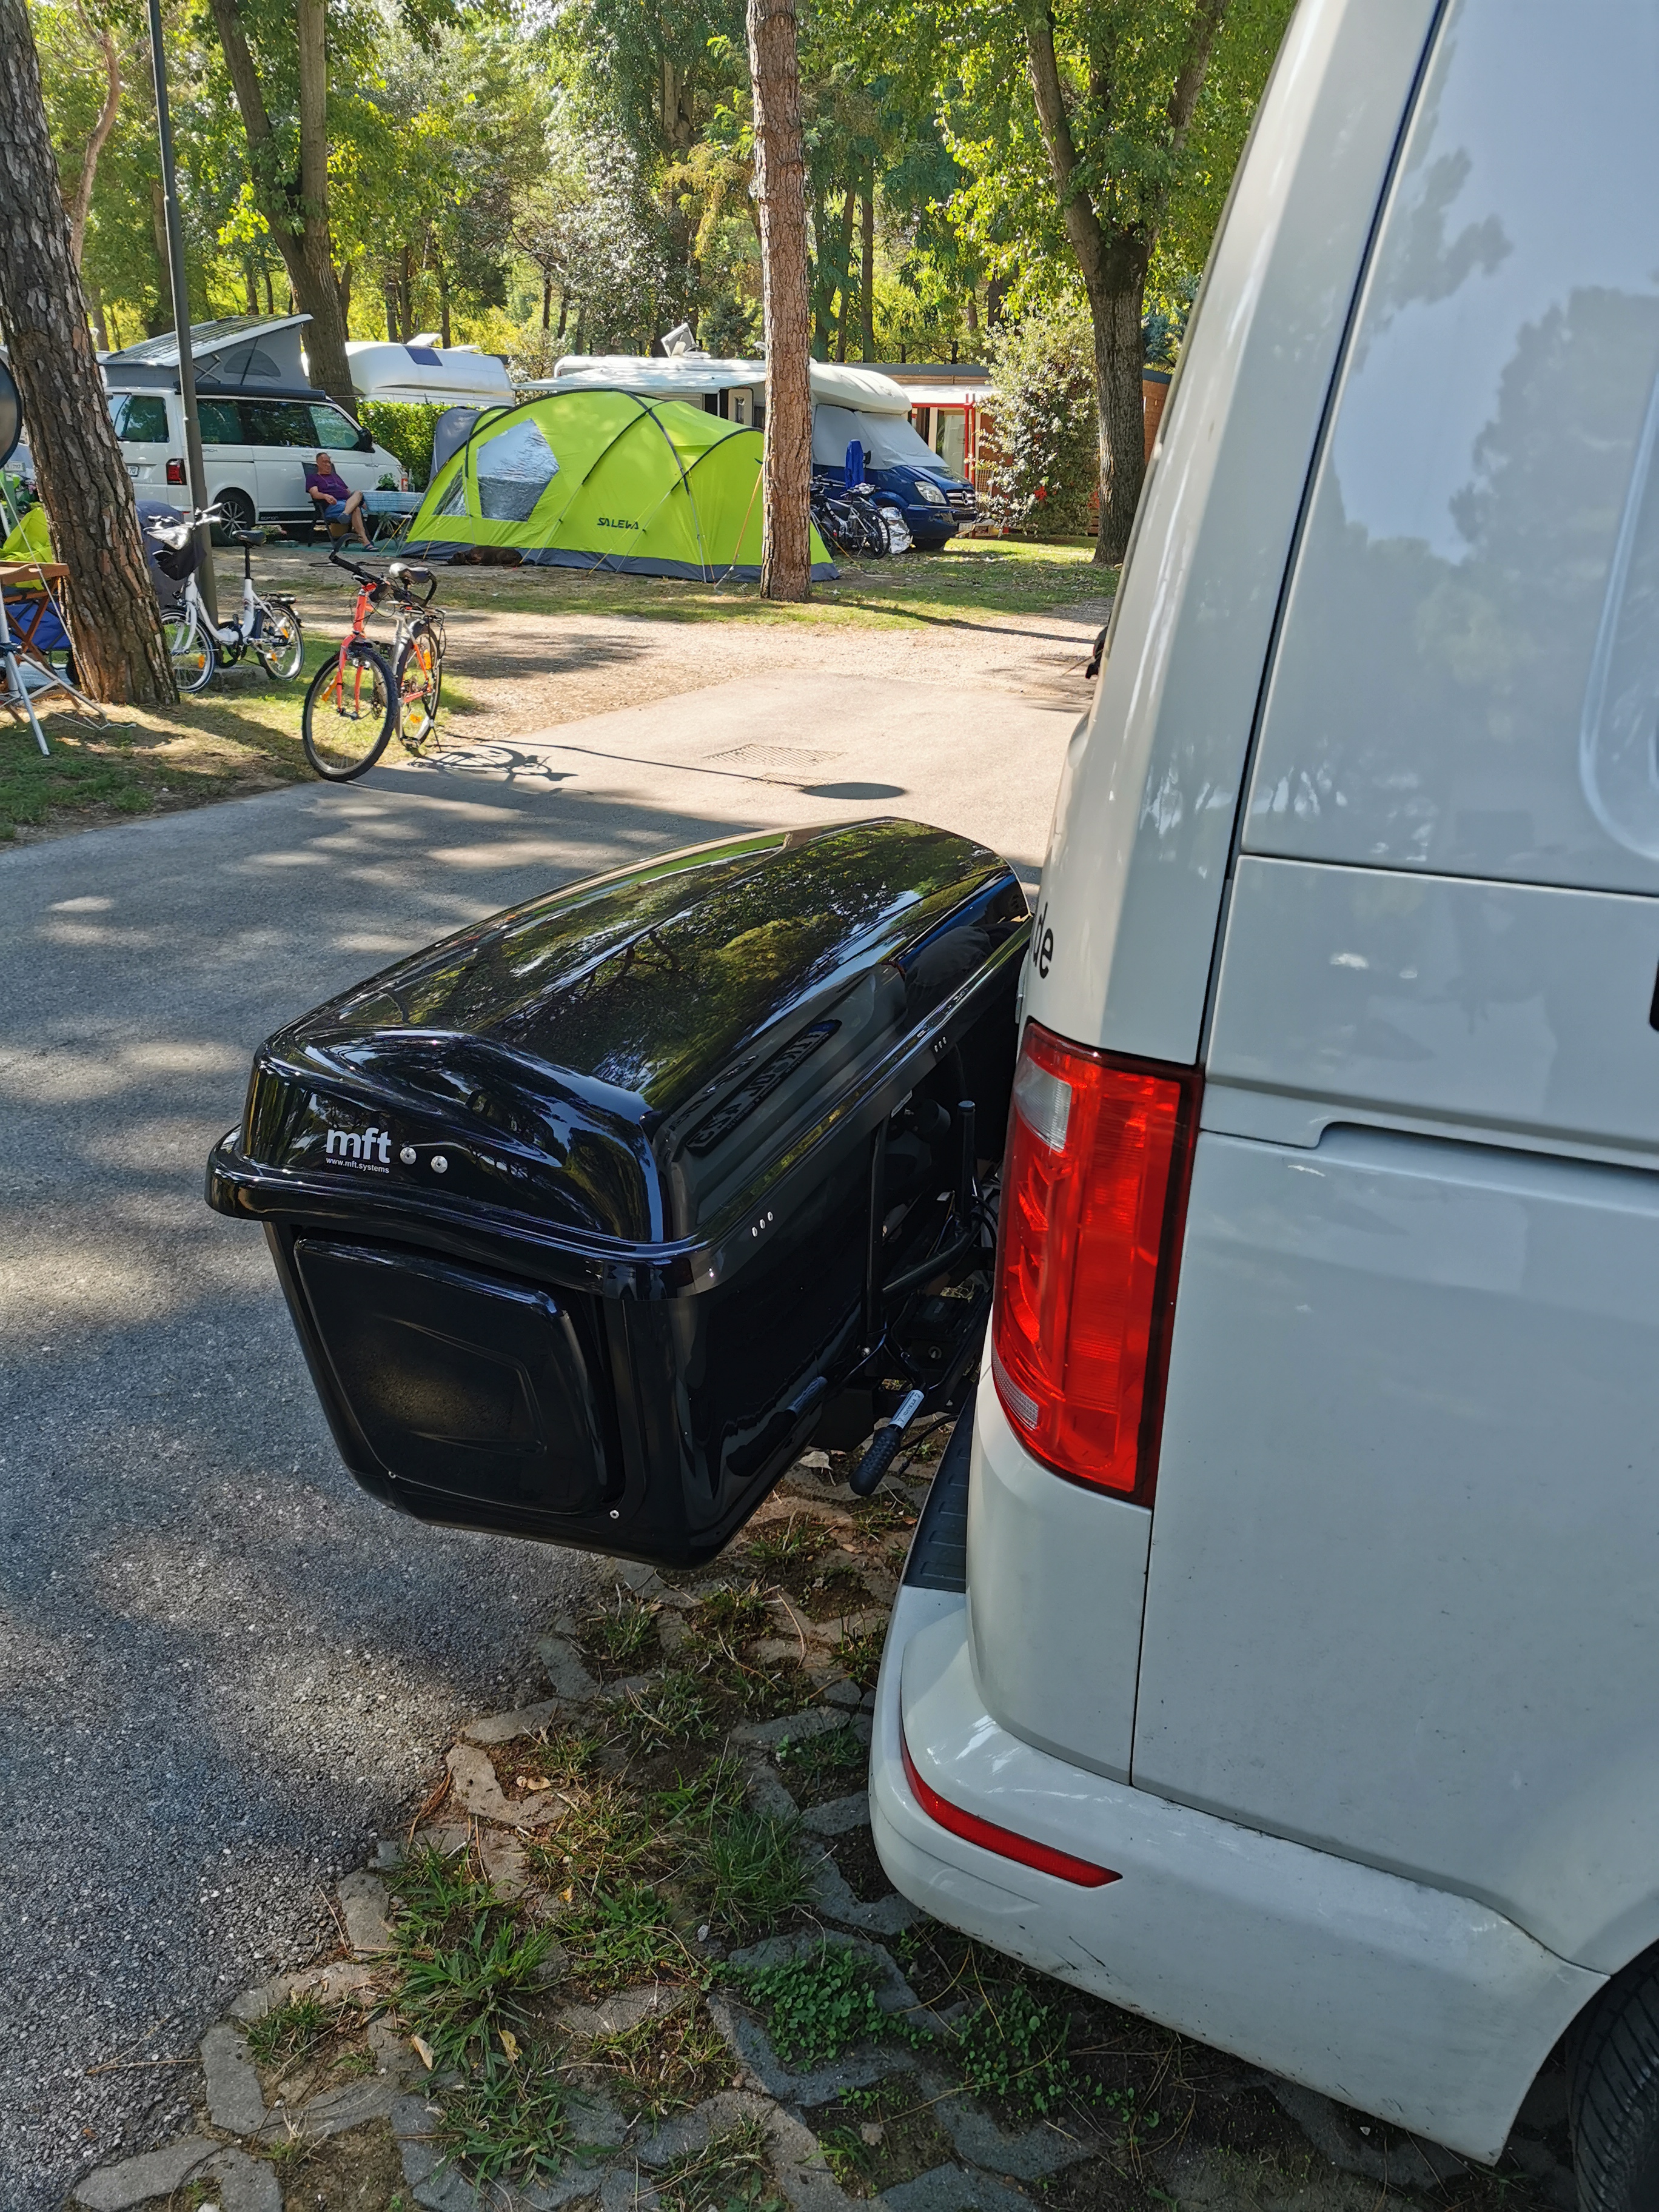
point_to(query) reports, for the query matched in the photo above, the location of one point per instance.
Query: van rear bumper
(1428, 2009)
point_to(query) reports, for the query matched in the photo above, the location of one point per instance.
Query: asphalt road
(223, 1667)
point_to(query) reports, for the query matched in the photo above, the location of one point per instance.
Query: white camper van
(261, 420)
(1294, 1680)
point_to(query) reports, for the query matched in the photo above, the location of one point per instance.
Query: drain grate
(766, 756)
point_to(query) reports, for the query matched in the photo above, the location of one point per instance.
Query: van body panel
(1404, 1580)
(264, 460)
(1466, 680)
(1429, 2009)
(1058, 1575)
(1148, 795)
(1515, 1012)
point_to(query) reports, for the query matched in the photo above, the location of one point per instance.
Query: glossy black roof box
(632, 1060)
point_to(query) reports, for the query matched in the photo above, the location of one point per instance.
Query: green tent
(595, 479)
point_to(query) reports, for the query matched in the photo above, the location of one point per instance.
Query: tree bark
(1112, 263)
(114, 622)
(867, 274)
(781, 191)
(80, 199)
(295, 212)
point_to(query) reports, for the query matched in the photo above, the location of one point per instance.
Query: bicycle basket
(175, 561)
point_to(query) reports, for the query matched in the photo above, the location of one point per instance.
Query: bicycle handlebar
(378, 584)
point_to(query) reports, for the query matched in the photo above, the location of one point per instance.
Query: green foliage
(621, 1934)
(810, 1761)
(461, 1995)
(822, 2003)
(621, 1634)
(753, 1872)
(290, 2031)
(794, 1543)
(675, 1710)
(1016, 2050)
(1048, 443)
(507, 2121)
(729, 2174)
(404, 429)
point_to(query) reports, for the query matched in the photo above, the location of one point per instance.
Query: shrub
(406, 429)
(1048, 461)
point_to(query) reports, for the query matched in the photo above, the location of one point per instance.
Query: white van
(254, 450)
(1296, 1681)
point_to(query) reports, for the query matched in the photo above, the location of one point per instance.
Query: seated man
(334, 499)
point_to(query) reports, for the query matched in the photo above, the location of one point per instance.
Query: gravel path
(222, 1669)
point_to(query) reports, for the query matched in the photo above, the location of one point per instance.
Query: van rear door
(1405, 1560)
(140, 424)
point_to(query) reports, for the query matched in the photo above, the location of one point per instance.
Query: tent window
(514, 471)
(454, 500)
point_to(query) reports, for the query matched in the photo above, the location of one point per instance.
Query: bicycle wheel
(190, 649)
(349, 711)
(420, 682)
(281, 644)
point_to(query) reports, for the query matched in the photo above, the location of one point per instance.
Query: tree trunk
(1114, 309)
(564, 311)
(846, 271)
(297, 220)
(781, 191)
(95, 308)
(822, 282)
(253, 288)
(80, 199)
(114, 622)
(867, 273)
(1113, 263)
(547, 302)
(443, 298)
(270, 302)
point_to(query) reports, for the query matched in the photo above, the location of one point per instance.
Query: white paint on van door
(1403, 1586)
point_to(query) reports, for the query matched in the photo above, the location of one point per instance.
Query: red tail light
(1094, 1196)
(175, 471)
(1003, 1841)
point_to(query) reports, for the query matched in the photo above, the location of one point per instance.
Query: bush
(1048, 461)
(406, 429)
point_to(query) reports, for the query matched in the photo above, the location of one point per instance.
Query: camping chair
(33, 626)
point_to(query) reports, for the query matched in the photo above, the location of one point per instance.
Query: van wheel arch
(240, 507)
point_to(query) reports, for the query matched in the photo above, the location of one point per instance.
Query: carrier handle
(883, 1447)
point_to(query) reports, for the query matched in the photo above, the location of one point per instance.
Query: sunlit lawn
(243, 735)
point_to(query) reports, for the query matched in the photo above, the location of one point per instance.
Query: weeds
(754, 1872)
(822, 2003)
(678, 1709)
(800, 1540)
(1016, 2051)
(461, 1997)
(621, 1634)
(509, 2121)
(860, 1655)
(823, 1763)
(622, 1935)
(439, 1894)
(291, 2030)
(728, 2174)
(661, 2067)
(730, 1617)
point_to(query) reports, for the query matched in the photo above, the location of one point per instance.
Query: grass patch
(662, 2067)
(677, 1710)
(822, 2003)
(754, 1873)
(819, 1767)
(619, 1636)
(509, 2122)
(874, 2139)
(860, 1655)
(797, 1543)
(291, 2030)
(463, 1996)
(620, 1935)
(730, 2174)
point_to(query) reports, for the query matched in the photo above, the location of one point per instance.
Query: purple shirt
(326, 481)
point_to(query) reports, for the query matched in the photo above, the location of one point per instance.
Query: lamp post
(196, 474)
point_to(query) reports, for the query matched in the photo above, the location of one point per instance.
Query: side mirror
(364, 443)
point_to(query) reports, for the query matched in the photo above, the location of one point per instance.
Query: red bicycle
(357, 699)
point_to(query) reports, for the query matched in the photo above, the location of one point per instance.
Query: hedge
(404, 428)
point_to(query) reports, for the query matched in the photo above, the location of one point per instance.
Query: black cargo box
(583, 1216)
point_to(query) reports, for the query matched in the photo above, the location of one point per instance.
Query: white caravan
(1295, 1682)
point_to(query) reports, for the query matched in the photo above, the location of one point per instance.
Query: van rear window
(1456, 687)
(142, 419)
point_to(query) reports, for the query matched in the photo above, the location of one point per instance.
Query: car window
(222, 423)
(142, 419)
(278, 422)
(331, 430)
(1468, 670)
